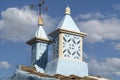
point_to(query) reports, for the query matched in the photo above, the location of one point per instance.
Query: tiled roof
(32, 70)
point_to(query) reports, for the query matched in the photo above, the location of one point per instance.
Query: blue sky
(99, 18)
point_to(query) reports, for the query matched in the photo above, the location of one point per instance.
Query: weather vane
(40, 5)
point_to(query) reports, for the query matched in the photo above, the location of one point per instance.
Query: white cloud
(20, 24)
(4, 64)
(116, 6)
(17, 24)
(117, 46)
(108, 67)
(85, 55)
(101, 29)
(105, 68)
(92, 15)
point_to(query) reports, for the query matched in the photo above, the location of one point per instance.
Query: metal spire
(40, 6)
(40, 21)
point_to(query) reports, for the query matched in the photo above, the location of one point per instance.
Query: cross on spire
(40, 6)
(40, 21)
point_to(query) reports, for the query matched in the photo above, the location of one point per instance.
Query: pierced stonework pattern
(42, 49)
(71, 46)
(55, 48)
(37, 51)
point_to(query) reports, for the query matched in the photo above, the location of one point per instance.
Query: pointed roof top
(40, 33)
(67, 22)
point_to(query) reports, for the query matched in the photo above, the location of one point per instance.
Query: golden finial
(40, 21)
(67, 10)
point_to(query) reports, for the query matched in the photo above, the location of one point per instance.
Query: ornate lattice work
(42, 48)
(37, 51)
(55, 48)
(71, 46)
